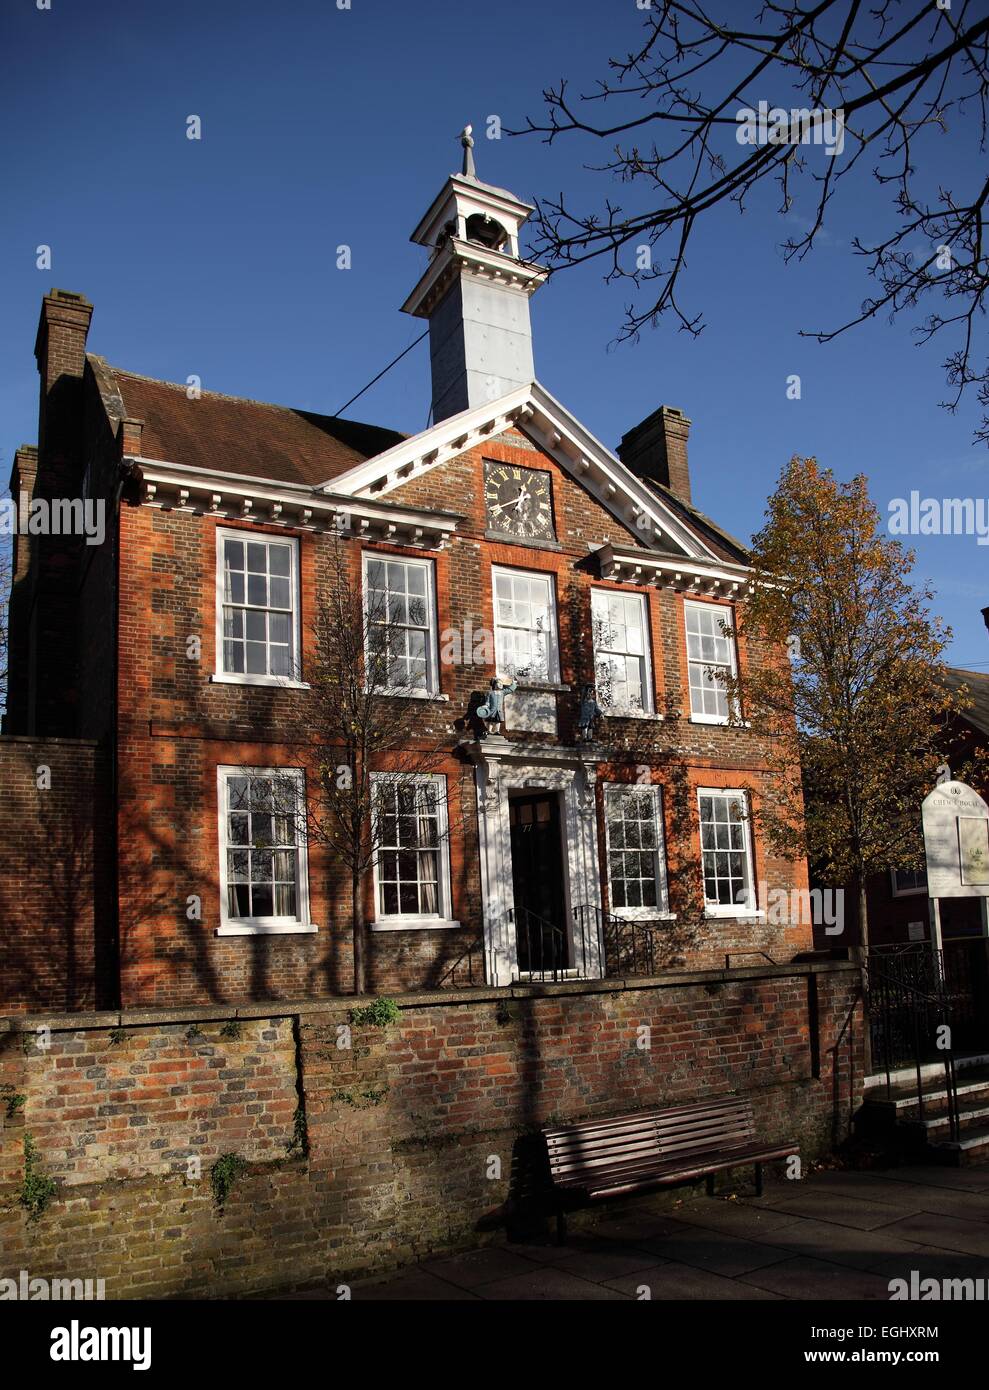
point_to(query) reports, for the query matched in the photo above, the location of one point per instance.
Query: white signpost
(956, 842)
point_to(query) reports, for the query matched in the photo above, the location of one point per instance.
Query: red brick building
(178, 651)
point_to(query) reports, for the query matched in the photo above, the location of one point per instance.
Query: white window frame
(411, 921)
(661, 912)
(899, 892)
(553, 637)
(645, 657)
(726, 616)
(736, 909)
(222, 677)
(432, 689)
(264, 926)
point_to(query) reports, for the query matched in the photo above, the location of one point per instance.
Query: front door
(537, 881)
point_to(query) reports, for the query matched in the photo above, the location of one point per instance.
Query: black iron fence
(544, 950)
(599, 943)
(630, 946)
(912, 1024)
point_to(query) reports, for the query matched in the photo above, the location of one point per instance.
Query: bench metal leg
(758, 1180)
(710, 1184)
(561, 1226)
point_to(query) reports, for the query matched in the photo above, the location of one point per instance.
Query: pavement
(832, 1235)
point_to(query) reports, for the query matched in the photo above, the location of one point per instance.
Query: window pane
(280, 559)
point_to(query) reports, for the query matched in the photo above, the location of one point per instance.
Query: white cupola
(475, 291)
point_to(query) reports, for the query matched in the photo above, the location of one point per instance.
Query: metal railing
(910, 1019)
(544, 952)
(631, 946)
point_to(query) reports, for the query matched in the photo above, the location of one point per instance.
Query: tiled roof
(722, 542)
(978, 690)
(234, 435)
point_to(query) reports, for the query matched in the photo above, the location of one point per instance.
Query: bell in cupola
(485, 231)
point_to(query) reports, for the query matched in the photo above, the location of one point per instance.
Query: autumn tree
(721, 104)
(859, 717)
(362, 735)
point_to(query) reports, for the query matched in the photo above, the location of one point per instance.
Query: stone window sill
(714, 915)
(435, 696)
(267, 929)
(271, 682)
(631, 916)
(413, 924)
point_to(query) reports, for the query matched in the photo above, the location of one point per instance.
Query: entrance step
(920, 1134)
(971, 1147)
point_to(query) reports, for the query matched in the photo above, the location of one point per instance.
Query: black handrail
(631, 946)
(542, 945)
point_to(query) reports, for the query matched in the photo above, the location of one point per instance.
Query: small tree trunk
(863, 917)
(360, 956)
(863, 960)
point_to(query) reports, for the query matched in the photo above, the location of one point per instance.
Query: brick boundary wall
(394, 1160)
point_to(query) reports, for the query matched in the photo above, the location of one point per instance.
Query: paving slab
(931, 1263)
(475, 1267)
(965, 1179)
(716, 1251)
(736, 1218)
(413, 1285)
(871, 1187)
(862, 1214)
(548, 1282)
(681, 1283)
(844, 1245)
(911, 1197)
(804, 1278)
(549, 1253)
(944, 1232)
(607, 1261)
(631, 1228)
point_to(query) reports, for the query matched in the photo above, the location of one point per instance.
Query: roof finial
(467, 140)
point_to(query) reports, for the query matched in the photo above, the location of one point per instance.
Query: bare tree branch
(893, 74)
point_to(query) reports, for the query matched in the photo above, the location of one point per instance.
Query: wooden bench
(605, 1158)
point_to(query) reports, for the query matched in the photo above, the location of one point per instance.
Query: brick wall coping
(341, 1005)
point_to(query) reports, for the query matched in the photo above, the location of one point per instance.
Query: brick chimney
(657, 449)
(22, 478)
(60, 349)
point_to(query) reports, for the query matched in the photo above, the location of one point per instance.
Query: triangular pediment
(550, 426)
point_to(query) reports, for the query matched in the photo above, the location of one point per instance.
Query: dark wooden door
(537, 880)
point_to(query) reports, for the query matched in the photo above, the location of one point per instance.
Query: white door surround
(503, 766)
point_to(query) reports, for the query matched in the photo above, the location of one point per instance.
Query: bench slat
(647, 1147)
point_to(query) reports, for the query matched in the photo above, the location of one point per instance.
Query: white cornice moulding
(720, 580)
(551, 426)
(468, 258)
(232, 496)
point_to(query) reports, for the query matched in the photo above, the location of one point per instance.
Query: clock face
(518, 501)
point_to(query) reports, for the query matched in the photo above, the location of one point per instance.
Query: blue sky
(323, 127)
